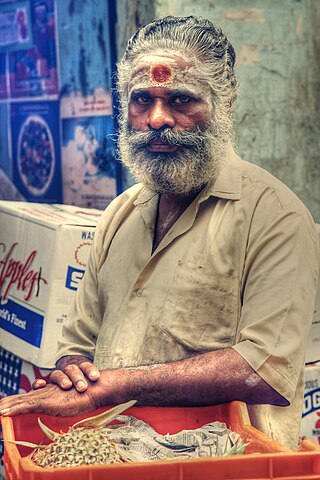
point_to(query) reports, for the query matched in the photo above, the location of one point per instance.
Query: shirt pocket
(201, 307)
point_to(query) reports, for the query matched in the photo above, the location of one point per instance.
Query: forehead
(164, 70)
(165, 92)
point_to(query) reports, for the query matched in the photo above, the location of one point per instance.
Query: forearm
(210, 378)
(207, 379)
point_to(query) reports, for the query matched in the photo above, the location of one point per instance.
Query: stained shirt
(238, 269)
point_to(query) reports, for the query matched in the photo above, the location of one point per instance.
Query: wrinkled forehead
(166, 70)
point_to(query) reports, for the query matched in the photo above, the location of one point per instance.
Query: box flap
(57, 214)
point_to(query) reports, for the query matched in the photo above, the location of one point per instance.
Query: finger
(5, 403)
(51, 400)
(39, 383)
(18, 409)
(18, 404)
(75, 374)
(61, 379)
(90, 371)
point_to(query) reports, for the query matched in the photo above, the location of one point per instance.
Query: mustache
(187, 139)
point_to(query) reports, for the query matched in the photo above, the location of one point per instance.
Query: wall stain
(299, 26)
(248, 55)
(65, 90)
(83, 78)
(71, 7)
(272, 71)
(107, 74)
(249, 15)
(80, 33)
(101, 41)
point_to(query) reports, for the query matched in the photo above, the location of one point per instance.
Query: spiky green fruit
(86, 446)
(85, 443)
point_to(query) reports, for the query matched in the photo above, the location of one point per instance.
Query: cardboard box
(313, 344)
(310, 423)
(43, 255)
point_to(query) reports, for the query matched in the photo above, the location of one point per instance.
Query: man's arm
(206, 379)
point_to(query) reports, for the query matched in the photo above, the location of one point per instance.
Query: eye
(181, 99)
(141, 99)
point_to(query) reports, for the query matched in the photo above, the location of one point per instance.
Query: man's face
(155, 108)
(168, 139)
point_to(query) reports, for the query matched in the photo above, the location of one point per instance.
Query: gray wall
(278, 49)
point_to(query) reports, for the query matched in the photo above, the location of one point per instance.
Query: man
(201, 281)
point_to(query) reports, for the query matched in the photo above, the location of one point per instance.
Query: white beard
(194, 164)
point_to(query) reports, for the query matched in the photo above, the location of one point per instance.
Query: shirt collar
(228, 182)
(144, 196)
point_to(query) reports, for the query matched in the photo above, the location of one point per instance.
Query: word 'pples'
(18, 273)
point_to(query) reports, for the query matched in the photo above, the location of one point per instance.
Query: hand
(52, 400)
(72, 371)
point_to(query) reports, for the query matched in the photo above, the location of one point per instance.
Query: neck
(178, 199)
(170, 208)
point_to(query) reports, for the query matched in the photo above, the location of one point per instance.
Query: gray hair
(194, 36)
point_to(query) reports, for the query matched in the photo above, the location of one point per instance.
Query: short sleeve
(278, 294)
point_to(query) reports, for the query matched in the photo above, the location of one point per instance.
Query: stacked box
(43, 255)
(313, 344)
(310, 424)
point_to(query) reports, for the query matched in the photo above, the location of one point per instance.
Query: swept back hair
(194, 37)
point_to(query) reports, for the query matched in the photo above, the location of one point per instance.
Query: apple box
(43, 254)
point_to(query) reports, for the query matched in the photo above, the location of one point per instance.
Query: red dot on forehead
(161, 73)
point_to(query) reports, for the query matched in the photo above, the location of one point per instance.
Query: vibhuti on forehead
(166, 70)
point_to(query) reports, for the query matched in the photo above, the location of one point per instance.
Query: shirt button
(139, 292)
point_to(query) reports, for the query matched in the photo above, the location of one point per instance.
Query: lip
(158, 146)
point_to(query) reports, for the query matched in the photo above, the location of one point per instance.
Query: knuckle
(70, 368)
(86, 366)
(54, 374)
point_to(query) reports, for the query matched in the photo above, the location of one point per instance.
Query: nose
(160, 116)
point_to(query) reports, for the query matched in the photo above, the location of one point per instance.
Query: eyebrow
(185, 91)
(171, 92)
(139, 91)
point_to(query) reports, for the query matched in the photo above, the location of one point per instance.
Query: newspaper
(143, 444)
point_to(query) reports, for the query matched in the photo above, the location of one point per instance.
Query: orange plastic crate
(273, 462)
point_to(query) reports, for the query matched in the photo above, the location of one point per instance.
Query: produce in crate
(85, 443)
(89, 442)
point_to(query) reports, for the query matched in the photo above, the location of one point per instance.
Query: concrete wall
(278, 50)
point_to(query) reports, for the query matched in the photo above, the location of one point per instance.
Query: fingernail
(80, 384)
(4, 411)
(65, 383)
(94, 374)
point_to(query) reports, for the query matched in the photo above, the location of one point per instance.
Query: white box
(313, 343)
(310, 423)
(43, 255)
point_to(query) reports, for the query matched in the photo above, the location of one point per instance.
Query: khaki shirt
(238, 269)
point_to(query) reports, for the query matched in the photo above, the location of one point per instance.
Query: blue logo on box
(311, 402)
(74, 277)
(21, 322)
